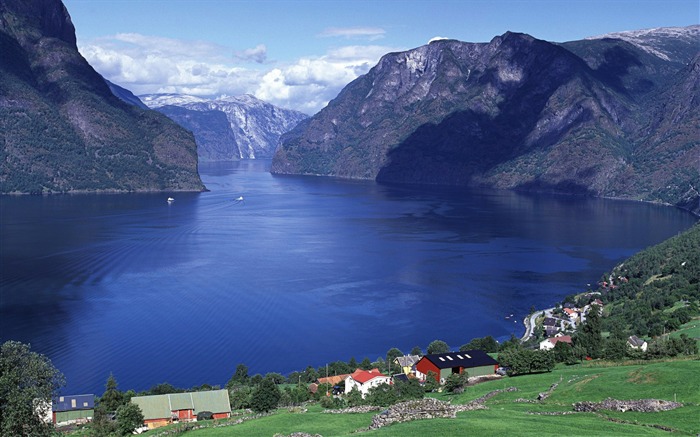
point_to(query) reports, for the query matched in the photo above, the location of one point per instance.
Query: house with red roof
(363, 380)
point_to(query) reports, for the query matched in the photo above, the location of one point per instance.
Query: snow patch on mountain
(651, 40)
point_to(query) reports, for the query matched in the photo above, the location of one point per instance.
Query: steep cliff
(63, 129)
(517, 113)
(228, 128)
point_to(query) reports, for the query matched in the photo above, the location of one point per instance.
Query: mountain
(63, 129)
(228, 128)
(587, 117)
(125, 95)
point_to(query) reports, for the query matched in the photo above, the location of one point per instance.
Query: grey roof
(161, 406)
(635, 341)
(81, 402)
(407, 360)
(466, 359)
(550, 321)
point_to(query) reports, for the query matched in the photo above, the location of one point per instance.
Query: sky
(299, 54)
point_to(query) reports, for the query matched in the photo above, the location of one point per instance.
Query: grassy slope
(663, 380)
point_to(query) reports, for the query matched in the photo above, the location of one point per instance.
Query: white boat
(170, 200)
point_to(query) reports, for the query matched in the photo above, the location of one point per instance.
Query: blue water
(303, 272)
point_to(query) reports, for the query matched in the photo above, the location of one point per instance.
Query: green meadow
(670, 380)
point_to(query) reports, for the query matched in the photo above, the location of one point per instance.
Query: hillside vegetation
(63, 129)
(507, 414)
(657, 290)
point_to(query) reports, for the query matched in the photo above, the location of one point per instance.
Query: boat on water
(170, 200)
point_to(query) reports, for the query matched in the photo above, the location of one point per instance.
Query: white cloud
(147, 64)
(310, 83)
(371, 33)
(256, 54)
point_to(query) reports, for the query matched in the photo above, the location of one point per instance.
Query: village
(555, 325)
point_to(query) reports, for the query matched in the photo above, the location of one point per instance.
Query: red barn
(475, 362)
(159, 410)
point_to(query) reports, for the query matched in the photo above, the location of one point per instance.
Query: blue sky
(299, 53)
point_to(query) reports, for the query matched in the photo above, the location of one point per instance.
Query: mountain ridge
(64, 130)
(514, 113)
(251, 129)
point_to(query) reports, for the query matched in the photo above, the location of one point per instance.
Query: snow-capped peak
(648, 39)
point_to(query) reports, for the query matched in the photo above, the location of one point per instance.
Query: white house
(549, 343)
(363, 380)
(637, 343)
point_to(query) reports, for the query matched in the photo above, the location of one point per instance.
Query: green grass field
(691, 329)
(679, 380)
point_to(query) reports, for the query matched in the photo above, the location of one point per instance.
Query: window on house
(73, 404)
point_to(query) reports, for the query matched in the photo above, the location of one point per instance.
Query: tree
(431, 382)
(410, 389)
(589, 335)
(240, 397)
(486, 344)
(366, 364)
(112, 398)
(391, 355)
(277, 378)
(562, 352)
(381, 395)
(164, 389)
(129, 417)
(28, 383)
(354, 398)
(523, 361)
(456, 382)
(438, 347)
(240, 377)
(265, 397)
(416, 350)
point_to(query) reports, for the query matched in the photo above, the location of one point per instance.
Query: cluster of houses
(556, 327)
(160, 410)
(474, 362)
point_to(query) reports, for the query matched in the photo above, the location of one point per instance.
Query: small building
(407, 363)
(333, 380)
(571, 313)
(160, 410)
(475, 362)
(67, 410)
(549, 343)
(363, 380)
(637, 343)
(550, 321)
(550, 331)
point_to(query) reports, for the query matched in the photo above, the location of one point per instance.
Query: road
(529, 323)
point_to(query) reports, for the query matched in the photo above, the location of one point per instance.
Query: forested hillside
(656, 290)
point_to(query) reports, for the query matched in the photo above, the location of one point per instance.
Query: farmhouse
(475, 362)
(637, 343)
(363, 380)
(160, 410)
(407, 363)
(73, 409)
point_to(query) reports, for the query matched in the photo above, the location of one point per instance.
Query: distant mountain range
(63, 129)
(616, 116)
(228, 128)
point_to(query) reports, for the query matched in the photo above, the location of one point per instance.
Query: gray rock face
(63, 130)
(516, 113)
(253, 127)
